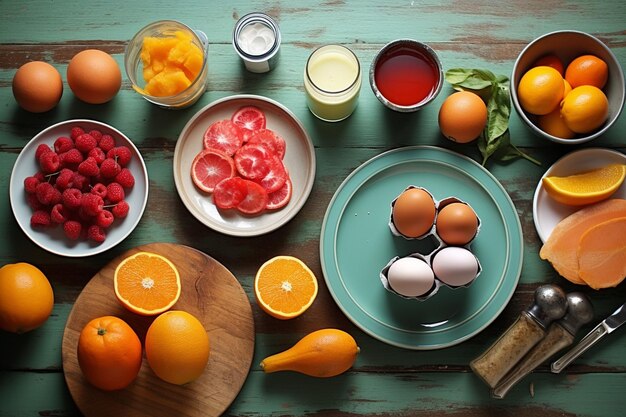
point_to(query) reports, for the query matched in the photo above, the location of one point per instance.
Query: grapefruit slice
(210, 167)
(252, 161)
(275, 177)
(270, 140)
(224, 136)
(230, 192)
(255, 200)
(561, 247)
(250, 118)
(281, 197)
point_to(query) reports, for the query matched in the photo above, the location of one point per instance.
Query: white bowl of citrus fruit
(568, 87)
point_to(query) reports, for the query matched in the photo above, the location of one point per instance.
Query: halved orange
(147, 283)
(285, 287)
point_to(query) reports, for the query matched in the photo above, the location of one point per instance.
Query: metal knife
(605, 327)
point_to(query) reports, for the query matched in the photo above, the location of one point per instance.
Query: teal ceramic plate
(356, 244)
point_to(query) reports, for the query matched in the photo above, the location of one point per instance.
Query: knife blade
(606, 326)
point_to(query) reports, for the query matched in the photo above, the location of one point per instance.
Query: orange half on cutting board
(147, 283)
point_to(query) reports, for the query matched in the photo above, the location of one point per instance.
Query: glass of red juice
(406, 75)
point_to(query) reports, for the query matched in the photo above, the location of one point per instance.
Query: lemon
(587, 187)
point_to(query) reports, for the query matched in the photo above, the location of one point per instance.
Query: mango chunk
(602, 254)
(166, 83)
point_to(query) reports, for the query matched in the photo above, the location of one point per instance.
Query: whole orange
(585, 109)
(26, 297)
(462, 117)
(177, 347)
(553, 124)
(550, 60)
(540, 90)
(587, 70)
(109, 353)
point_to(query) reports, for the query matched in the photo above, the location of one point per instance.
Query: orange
(567, 88)
(323, 353)
(586, 187)
(585, 109)
(177, 347)
(550, 61)
(553, 124)
(462, 117)
(109, 353)
(26, 297)
(540, 90)
(147, 283)
(587, 70)
(285, 287)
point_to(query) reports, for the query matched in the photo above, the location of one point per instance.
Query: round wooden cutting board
(214, 296)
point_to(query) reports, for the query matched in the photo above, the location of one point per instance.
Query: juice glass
(134, 65)
(332, 81)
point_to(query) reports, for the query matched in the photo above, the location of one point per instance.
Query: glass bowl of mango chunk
(166, 62)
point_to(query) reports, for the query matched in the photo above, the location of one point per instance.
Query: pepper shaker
(530, 327)
(560, 335)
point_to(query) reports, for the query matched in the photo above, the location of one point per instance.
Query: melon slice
(561, 247)
(602, 254)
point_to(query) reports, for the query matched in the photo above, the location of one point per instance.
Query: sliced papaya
(561, 247)
(602, 254)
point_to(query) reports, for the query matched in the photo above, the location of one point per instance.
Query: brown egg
(413, 212)
(94, 76)
(457, 224)
(37, 86)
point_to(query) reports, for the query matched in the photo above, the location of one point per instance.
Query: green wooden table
(385, 381)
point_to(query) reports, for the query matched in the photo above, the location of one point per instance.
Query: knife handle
(589, 340)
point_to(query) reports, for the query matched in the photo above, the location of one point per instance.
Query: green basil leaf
(470, 79)
(499, 111)
(457, 75)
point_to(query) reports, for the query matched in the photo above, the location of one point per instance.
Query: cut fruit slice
(602, 254)
(586, 188)
(255, 200)
(561, 247)
(275, 177)
(230, 192)
(249, 117)
(224, 136)
(271, 140)
(147, 283)
(285, 287)
(252, 161)
(210, 167)
(280, 198)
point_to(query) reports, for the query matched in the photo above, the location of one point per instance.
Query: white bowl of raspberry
(78, 188)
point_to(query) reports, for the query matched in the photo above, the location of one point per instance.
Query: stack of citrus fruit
(176, 344)
(567, 100)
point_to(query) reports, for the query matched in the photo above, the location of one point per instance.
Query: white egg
(410, 277)
(455, 266)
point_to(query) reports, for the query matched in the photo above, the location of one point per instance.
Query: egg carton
(442, 249)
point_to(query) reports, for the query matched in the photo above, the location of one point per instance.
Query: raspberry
(96, 233)
(40, 218)
(115, 192)
(34, 202)
(100, 190)
(63, 144)
(121, 209)
(72, 198)
(97, 154)
(106, 143)
(49, 162)
(85, 143)
(91, 204)
(104, 219)
(72, 229)
(47, 194)
(40, 176)
(109, 168)
(76, 132)
(58, 214)
(65, 179)
(121, 154)
(80, 181)
(71, 158)
(89, 167)
(30, 184)
(96, 134)
(125, 178)
(42, 149)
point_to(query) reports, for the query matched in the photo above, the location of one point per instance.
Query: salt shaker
(256, 38)
(530, 327)
(560, 335)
